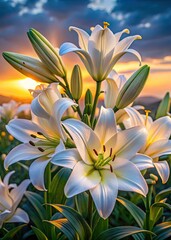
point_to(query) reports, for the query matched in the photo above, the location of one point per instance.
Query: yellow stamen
(146, 115)
(11, 138)
(3, 134)
(105, 24)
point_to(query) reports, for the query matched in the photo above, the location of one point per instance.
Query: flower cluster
(107, 153)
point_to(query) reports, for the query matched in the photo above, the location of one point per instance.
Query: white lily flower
(113, 85)
(11, 110)
(101, 162)
(157, 143)
(42, 137)
(10, 197)
(101, 50)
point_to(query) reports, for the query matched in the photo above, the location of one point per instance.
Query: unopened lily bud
(88, 109)
(150, 182)
(3, 156)
(86, 119)
(30, 67)
(88, 97)
(47, 53)
(3, 134)
(153, 177)
(76, 83)
(132, 87)
(164, 106)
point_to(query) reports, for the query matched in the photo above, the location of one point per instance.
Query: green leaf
(137, 213)
(99, 225)
(156, 211)
(37, 202)
(10, 235)
(164, 106)
(57, 186)
(75, 219)
(163, 231)
(81, 201)
(39, 234)
(161, 195)
(66, 227)
(121, 232)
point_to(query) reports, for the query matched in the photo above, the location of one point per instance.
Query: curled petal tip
(139, 37)
(126, 30)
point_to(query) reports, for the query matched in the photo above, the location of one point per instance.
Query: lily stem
(148, 204)
(90, 210)
(98, 86)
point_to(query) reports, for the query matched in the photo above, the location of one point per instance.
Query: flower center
(102, 161)
(44, 142)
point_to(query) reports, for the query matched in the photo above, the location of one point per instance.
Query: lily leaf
(137, 213)
(163, 231)
(39, 234)
(161, 195)
(11, 234)
(57, 186)
(73, 218)
(121, 232)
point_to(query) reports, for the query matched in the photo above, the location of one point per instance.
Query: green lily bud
(30, 67)
(132, 87)
(76, 83)
(88, 109)
(153, 177)
(164, 106)
(88, 97)
(47, 53)
(86, 119)
(150, 182)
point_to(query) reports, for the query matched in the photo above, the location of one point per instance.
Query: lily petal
(36, 172)
(18, 192)
(129, 177)
(21, 129)
(22, 152)
(125, 43)
(19, 216)
(160, 129)
(88, 179)
(84, 137)
(105, 193)
(67, 158)
(106, 125)
(142, 161)
(126, 143)
(59, 108)
(159, 148)
(111, 93)
(82, 37)
(7, 177)
(163, 170)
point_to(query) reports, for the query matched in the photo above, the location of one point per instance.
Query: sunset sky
(148, 18)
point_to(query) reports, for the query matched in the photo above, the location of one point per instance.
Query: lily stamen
(146, 115)
(104, 148)
(110, 152)
(94, 150)
(32, 143)
(105, 24)
(40, 149)
(33, 136)
(113, 158)
(111, 169)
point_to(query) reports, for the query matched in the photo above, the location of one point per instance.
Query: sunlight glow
(28, 83)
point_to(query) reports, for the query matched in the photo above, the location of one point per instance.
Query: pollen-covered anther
(94, 150)
(104, 148)
(113, 158)
(105, 24)
(110, 152)
(39, 133)
(32, 143)
(33, 136)
(111, 169)
(40, 149)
